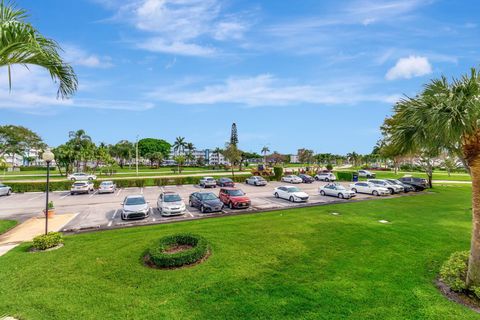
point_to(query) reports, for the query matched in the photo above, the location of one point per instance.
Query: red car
(234, 198)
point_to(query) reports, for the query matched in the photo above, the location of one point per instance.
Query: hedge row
(344, 176)
(36, 168)
(157, 254)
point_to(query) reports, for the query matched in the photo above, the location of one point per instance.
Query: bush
(159, 257)
(36, 168)
(329, 167)
(278, 173)
(454, 273)
(46, 241)
(344, 176)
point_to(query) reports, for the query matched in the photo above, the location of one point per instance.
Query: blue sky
(315, 74)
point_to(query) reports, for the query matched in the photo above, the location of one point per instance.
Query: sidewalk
(30, 229)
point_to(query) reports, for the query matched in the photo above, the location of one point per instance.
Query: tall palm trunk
(473, 274)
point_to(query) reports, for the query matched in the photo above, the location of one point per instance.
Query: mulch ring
(147, 262)
(458, 297)
(58, 246)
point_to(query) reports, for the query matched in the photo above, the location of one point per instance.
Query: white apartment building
(210, 157)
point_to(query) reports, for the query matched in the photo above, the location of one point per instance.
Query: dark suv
(418, 184)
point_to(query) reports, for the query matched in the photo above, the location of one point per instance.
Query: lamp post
(136, 156)
(48, 157)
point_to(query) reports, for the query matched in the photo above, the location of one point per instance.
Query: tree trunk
(473, 274)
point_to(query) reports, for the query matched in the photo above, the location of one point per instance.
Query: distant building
(209, 156)
(294, 158)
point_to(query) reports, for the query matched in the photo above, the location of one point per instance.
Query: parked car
(369, 188)
(234, 198)
(256, 181)
(205, 201)
(325, 176)
(306, 178)
(170, 203)
(82, 187)
(419, 184)
(107, 187)
(406, 187)
(366, 174)
(292, 179)
(80, 176)
(336, 190)
(5, 190)
(135, 207)
(393, 188)
(225, 182)
(290, 193)
(208, 182)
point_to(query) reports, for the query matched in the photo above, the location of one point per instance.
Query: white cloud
(412, 66)
(267, 90)
(77, 56)
(158, 44)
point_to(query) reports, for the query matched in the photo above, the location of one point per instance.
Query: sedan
(5, 190)
(306, 178)
(419, 184)
(256, 181)
(292, 179)
(393, 188)
(79, 176)
(225, 182)
(205, 201)
(135, 207)
(107, 187)
(406, 187)
(366, 174)
(336, 190)
(234, 198)
(369, 188)
(82, 187)
(292, 194)
(170, 204)
(208, 182)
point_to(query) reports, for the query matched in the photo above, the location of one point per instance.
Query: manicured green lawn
(6, 225)
(295, 264)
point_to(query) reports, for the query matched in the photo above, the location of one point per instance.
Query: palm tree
(179, 145)
(22, 44)
(265, 150)
(445, 117)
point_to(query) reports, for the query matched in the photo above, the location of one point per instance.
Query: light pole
(136, 155)
(48, 157)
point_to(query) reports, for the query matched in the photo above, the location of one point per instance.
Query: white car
(336, 190)
(107, 187)
(256, 181)
(290, 193)
(366, 174)
(208, 182)
(5, 190)
(80, 176)
(135, 207)
(292, 179)
(82, 187)
(170, 204)
(325, 176)
(369, 188)
(393, 188)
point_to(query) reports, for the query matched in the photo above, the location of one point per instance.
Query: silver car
(325, 176)
(5, 190)
(107, 187)
(135, 207)
(393, 188)
(82, 187)
(256, 181)
(336, 190)
(208, 182)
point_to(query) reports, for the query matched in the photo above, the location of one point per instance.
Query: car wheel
(9, 192)
(316, 178)
(230, 205)
(255, 183)
(391, 191)
(72, 179)
(90, 179)
(291, 199)
(202, 208)
(354, 190)
(322, 193)
(327, 180)
(340, 195)
(190, 204)
(122, 217)
(71, 193)
(375, 193)
(276, 195)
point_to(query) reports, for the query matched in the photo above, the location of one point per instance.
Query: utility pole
(136, 155)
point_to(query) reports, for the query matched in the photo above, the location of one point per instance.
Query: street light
(48, 157)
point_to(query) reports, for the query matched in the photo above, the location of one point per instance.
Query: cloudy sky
(315, 74)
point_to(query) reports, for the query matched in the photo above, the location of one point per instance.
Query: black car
(225, 182)
(306, 178)
(205, 201)
(418, 184)
(406, 187)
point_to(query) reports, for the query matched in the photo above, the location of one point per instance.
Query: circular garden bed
(176, 251)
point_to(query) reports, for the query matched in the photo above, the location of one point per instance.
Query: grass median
(299, 263)
(6, 225)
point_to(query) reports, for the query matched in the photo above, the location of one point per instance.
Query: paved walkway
(30, 229)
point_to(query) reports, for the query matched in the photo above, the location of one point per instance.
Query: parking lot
(96, 211)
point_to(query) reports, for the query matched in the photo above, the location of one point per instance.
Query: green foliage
(20, 187)
(344, 176)
(329, 167)
(278, 173)
(46, 241)
(158, 255)
(37, 168)
(17, 139)
(454, 270)
(50, 205)
(149, 146)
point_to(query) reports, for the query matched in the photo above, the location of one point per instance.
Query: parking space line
(119, 191)
(65, 195)
(141, 190)
(39, 196)
(113, 218)
(95, 192)
(189, 213)
(153, 219)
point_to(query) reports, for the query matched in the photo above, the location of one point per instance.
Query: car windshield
(79, 184)
(135, 201)
(340, 188)
(106, 184)
(235, 193)
(226, 180)
(293, 189)
(172, 198)
(209, 179)
(370, 184)
(208, 196)
(2, 185)
(260, 179)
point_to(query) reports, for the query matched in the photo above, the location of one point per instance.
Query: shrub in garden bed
(344, 176)
(47, 241)
(454, 274)
(177, 250)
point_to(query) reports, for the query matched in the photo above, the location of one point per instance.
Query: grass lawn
(295, 264)
(6, 225)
